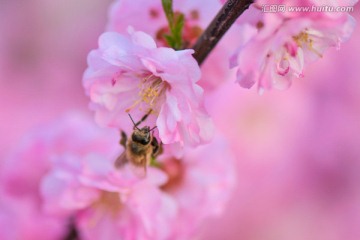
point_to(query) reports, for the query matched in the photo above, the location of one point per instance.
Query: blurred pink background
(298, 150)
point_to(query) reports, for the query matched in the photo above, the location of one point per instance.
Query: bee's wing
(138, 169)
(121, 161)
(123, 139)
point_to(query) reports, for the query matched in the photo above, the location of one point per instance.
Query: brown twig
(231, 10)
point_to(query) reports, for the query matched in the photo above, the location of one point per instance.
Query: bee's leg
(123, 139)
(157, 148)
(143, 118)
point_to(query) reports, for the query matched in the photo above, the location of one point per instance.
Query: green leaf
(177, 31)
(170, 40)
(176, 24)
(167, 6)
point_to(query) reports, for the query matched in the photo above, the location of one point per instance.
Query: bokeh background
(298, 151)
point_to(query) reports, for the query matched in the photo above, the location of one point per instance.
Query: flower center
(110, 202)
(151, 89)
(305, 39)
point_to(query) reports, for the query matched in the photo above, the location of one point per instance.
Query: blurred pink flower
(41, 57)
(201, 182)
(144, 15)
(23, 170)
(107, 202)
(22, 219)
(66, 170)
(130, 74)
(298, 155)
(148, 16)
(276, 47)
(171, 203)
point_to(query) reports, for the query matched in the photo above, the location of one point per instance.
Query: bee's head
(141, 135)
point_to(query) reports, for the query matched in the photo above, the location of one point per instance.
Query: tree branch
(231, 10)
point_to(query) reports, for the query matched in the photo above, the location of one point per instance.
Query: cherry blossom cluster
(64, 176)
(57, 182)
(281, 44)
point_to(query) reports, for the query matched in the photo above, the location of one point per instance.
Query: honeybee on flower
(140, 148)
(129, 74)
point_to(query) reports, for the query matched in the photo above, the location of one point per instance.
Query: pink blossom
(106, 202)
(148, 16)
(66, 170)
(298, 170)
(77, 180)
(23, 170)
(130, 74)
(277, 47)
(144, 15)
(201, 182)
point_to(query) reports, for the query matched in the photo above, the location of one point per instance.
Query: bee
(140, 148)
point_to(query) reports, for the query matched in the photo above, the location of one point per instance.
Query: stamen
(151, 88)
(133, 105)
(303, 38)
